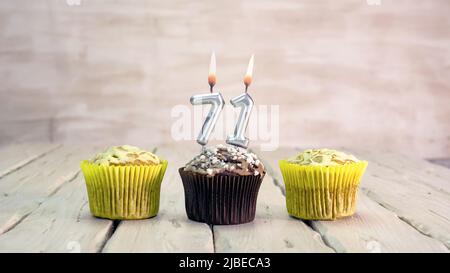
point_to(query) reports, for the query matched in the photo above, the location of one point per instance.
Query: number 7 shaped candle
(215, 99)
(245, 102)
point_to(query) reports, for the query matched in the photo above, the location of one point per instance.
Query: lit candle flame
(212, 71)
(248, 75)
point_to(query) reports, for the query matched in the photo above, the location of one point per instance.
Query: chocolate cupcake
(221, 185)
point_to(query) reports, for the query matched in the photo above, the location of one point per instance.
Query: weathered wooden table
(404, 206)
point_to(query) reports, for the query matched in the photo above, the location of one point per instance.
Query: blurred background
(364, 74)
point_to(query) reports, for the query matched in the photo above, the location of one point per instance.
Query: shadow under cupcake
(221, 185)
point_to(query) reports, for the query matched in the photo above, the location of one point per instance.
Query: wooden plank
(416, 190)
(62, 223)
(23, 191)
(374, 229)
(170, 230)
(271, 231)
(416, 164)
(423, 207)
(410, 169)
(18, 155)
(367, 230)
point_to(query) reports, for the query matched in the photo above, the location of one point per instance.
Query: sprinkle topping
(226, 159)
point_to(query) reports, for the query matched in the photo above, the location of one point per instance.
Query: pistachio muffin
(125, 155)
(124, 182)
(221, 185)
(322, 184)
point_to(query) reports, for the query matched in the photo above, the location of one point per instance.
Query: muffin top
(125, 155)
(323, 157)
(225, 159)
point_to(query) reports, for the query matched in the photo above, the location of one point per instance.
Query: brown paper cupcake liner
(220, 199)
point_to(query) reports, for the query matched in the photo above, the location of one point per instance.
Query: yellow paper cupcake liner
(123, 192)
(321, 192)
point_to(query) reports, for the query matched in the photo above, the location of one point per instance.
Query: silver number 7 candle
(245, 102)
(215, 99)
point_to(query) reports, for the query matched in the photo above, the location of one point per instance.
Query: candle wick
(211, 88)
(246, 87)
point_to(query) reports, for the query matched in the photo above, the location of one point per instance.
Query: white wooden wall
(344, 73)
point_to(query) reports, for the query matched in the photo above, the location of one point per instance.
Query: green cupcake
(322, 184)
(124, 182)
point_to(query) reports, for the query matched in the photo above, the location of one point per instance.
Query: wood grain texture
(271, 231)
(366, 231)
(403, 207)
(22, 192)
(62, 223)
(411, 169)
(423, 202)
(427, 183)
(16, 156)
(170, 230)
(375, 229)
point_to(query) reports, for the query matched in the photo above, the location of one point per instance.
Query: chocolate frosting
(225, 159)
